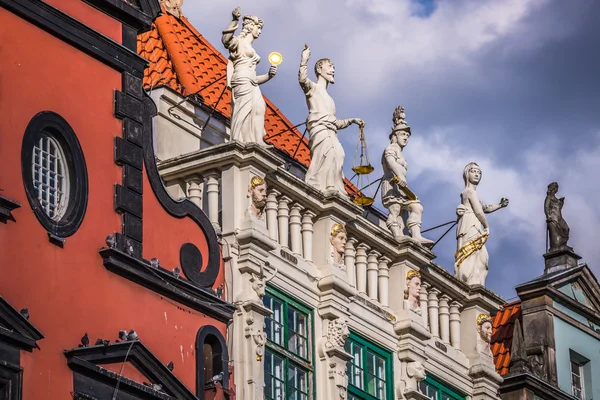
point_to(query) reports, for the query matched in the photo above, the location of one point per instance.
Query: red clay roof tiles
(181, 58)
(503, 326)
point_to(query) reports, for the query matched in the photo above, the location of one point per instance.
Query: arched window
(212, 359)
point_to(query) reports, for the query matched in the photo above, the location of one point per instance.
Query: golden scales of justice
(362, 171)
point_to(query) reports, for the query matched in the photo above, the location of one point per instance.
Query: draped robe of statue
(326, 152)
(247, 104)
(558, 228)
(469, 237)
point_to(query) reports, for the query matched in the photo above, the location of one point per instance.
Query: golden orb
(275, 58)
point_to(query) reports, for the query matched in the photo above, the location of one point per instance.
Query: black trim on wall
(139, 18)
(15, 330)
(214, 337)
(164, 282)
(6, 208)
(86, 361)
(11, 381)
(180, 208)
(78, 34)
(53, 125)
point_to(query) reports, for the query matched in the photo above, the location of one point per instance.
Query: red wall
(68, 291)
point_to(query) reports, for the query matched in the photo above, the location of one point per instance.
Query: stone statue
(484, 330)
(338, 239)
(257, 192)
(558, 230)
(173, 7)
(395, 195)
(471, 258)
(326, 152)
(247, 104)
(412, 293)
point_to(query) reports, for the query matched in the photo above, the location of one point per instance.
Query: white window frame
(52, 184)
(578, 373)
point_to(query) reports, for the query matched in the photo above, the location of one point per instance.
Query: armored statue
(326, 152)
(395, 194)
(247, 104)
(412, 293)
(257, 192)
(471, 258)
(558, 230)
(484, 337)
(338, 238)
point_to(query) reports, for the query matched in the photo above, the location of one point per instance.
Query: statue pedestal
(486, 380)
(559, 259)
(411, 354)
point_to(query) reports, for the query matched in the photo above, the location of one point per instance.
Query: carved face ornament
(485, 331)
(339, 242)
(474, 175)
(259, 196)
(414, 288)
(327, 71)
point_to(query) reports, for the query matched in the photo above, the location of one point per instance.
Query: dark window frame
(51, 124)
(210, 335)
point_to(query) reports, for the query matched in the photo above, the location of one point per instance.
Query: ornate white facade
(291, 249)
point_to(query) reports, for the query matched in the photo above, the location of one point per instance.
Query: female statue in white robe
(472, 231)
(247, 104)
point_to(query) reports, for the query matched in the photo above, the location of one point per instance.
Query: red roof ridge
(181, 58)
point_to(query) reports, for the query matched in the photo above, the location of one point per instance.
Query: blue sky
(511, 84)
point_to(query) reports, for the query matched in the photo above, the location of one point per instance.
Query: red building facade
(91, 244)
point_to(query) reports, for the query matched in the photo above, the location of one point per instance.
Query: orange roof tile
(182, 59)
(502, 335)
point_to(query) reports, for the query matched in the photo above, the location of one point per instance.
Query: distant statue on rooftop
(326, 152)
(247, 104)
(395, 194)
(471, 258)
(558, 230)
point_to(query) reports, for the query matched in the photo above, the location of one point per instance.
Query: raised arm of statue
(228, 39)
(305, 83)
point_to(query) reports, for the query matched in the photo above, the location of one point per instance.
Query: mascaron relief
(412, 293)
(484, 337)
(338, 238)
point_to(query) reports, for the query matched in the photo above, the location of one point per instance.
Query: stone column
(384, 278)
(432, 309)
(423, 300)
(271, 210)
(372, 270)
(296, 229)
(283, 215)
(307, 234)
(444, 319)
(455, 324)
(194, 191)
(361, 268)
(212, 193)
(349, 260)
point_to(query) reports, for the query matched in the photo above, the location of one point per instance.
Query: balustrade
(361, 268)
(271, 211)
(296, 229)
(283, 216)
(307, 234)
(383, 278)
